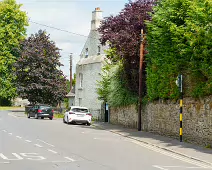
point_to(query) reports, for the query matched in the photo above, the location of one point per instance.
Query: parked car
(77, 114)
(41, 111)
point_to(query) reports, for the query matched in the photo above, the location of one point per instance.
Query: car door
(30, 111)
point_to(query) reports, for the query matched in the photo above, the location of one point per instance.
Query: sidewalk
(181, 148)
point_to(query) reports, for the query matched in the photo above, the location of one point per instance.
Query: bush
(112, 87)
(5, 102)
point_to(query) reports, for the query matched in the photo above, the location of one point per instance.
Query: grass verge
(10, 108)
(58, 115)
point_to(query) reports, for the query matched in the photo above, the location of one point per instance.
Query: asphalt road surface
(31, 144)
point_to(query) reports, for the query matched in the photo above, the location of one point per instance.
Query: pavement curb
(157, 146)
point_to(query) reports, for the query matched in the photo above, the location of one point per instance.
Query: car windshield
(80, 110)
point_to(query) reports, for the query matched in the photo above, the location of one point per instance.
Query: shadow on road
(155, 139)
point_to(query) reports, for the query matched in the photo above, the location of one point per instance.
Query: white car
(77, 114)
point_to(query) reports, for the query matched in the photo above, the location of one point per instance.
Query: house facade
(89, 67)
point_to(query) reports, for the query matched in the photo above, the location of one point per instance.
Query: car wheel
(36, 116)
(50, 118)
(84, 123)
(64, 120)
(28, 115)
(88, 124)
(42, 117)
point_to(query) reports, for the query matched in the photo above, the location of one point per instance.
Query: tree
(123, 34)
(179, 41)
(13, 24)
(112, 86)
(39, 78)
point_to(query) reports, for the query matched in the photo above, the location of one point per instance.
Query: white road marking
(172, 155)
(184, 167)
(28, 141)
(14, 154)
(60, 161)
(10, 133)
(32, 156)
(12, 115)
(70, 159)
(45, 142)
(82, 132)
(156, 166)
(4, 130)
(2, 156)
(52, 151)
(38, 145)
(4, 162)
(18, 137)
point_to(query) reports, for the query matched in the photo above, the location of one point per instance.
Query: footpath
(184, 149)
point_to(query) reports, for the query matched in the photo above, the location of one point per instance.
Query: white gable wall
(89, 67)
(86, 95)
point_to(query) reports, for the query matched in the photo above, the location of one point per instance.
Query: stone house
(89, 67)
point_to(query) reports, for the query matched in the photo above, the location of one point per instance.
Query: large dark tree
(39, 78)
(123, 34)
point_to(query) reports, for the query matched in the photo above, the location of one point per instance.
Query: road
(31, 144)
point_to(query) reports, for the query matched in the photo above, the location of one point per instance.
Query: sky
(70, 15)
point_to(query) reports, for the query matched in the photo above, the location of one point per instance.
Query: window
(99, 49)
(81, 79)
(82, 110)
(80, 101)
(86, 52)
(45, 107)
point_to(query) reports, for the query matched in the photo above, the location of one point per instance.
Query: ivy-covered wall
(179, 41)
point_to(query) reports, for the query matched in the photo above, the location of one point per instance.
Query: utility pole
(179, 83)
(70, 71)
(140, 78)
(181, 107)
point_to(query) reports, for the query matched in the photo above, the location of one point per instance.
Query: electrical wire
(59, 29)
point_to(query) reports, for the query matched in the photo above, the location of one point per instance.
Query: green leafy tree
(103, 84)
(112, 86)
(13, 24)
(123, 34)
(179, 41)
(39, 78)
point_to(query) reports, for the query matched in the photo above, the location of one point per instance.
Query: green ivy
(111, 87)
(179, 41)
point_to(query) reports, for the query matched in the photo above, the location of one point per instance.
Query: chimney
(96, 18)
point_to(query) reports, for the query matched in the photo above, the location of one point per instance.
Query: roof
(70, 94)
(91, 59)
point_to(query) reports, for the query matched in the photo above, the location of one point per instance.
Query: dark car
(41, 111)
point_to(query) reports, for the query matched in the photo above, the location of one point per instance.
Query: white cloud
(71, 15)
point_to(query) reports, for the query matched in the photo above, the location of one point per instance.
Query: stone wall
(126, 116)
(162, 117)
